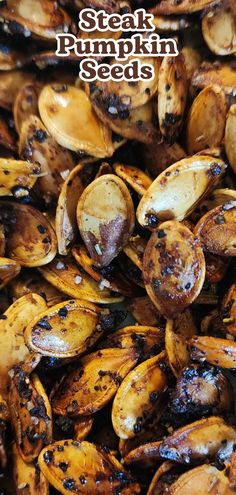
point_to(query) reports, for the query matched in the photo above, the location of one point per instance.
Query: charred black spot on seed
(48, 457)
(124, 10)
(46, 240)
(73, 407)
(170, 119)
(156, 284)
(41, 229)
(187, 286)
(63, 312)
(167, 87)
(152, 220)
(168, 270)
(83, 480)
(68, 484)
(40, 135)
(220, 220)
(153, 397)
(147, 91)
(161, 233)
(43, 323)
(215, 169)
(6, 172)
(137, 428)
(63, 466)
(60, 89)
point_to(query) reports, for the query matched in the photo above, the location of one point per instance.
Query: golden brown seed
(94, 383)
(176, 192)
(87, 469)
(172, 94)
(197, 440)
(12, 326)
(105, 216)
(30, 414)
(228, 310)
(230, 130)
(138, 397)
(214, 350)
(76, 131)
(66, 276)
(65, 330)
(177, 334)
(206, 120)
(48, 19)
(217, 230)
(219, 28)
(173, 268)
(201, 480)
(31, 240)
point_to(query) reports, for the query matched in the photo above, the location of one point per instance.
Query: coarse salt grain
(98, 249)
(60, 265)
(78, 279)
(64, 174)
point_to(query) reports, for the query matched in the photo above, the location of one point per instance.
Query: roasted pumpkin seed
(204, 132)
(138, 396)
(197, 440)
(36, 145)
(65, 330)
(26, 103)
(103, 475)
(29, 480)
(66, 276)
(30, 414)
(178, 189)
(201, 480)
(109, 277)
(12, 327)
(94, 383)
(16, 174)
(214, 350)
(105, 226)
(172, 94)
(40, 17)
(31, 240)
(134, 177)
(66, 224)
(173, 268)
(177, 334)
(217, 230)
(76, 131)
(219, 28)
(229, 137)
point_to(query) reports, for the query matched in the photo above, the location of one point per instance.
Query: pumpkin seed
(66, 276)
(76, 131)
(178, 189)
(31, 240)
(105, 226)
(138, 396)
(173, 285)
(12, 326)
(65, 330)
(204, 132)
(216, 230)
(30, 414)
(85, 463)
(94, 383)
